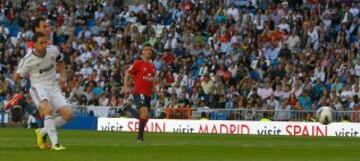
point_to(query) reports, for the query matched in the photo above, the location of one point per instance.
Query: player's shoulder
(52, 48)
(138, 62)
(135, 64)
(28, 56)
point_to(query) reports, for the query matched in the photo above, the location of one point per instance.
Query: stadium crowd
(261, 55)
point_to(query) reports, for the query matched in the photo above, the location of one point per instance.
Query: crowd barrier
(243, 121)
(289, 128)
(221, 114)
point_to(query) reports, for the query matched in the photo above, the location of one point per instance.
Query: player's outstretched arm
(61, 68)
(128, 75)
(22, 70)
(16, 77)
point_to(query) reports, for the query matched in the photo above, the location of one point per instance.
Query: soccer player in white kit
(40, 24)
(40, 64)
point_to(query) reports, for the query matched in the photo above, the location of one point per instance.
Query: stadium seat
(219, 115)
(275, 63)
(168, 21)
(222, 115)
(254, 75)
(6, 23)
(78, 29)
(14, 30)
(353, 38)
(116, 23)
(213, 116)
(90, 23)
(123, 23)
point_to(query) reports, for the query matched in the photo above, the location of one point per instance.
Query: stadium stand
(240, 58)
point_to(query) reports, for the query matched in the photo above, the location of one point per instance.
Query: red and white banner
(232, 127)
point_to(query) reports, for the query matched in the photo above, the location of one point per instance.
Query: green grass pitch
(19, 145)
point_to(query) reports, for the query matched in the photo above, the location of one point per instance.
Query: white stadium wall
(232, 127)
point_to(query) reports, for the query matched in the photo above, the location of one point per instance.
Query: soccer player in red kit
(143, 74)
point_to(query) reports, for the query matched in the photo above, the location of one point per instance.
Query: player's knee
(143, 110)
(45, 108)
(68, 117)
(144, 116)
(67, 114)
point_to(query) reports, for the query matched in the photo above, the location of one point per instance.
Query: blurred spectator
(282, 112)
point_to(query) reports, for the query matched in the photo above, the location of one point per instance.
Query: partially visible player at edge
(40, 64)
(143, 74)
(40, 24)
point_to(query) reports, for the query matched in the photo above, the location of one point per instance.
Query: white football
(325, 115)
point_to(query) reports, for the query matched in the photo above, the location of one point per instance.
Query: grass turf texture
(19, 145)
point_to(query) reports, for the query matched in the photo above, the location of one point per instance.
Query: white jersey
(42, 70)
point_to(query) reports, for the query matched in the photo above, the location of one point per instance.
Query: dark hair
(36, 23)
(147, 45)
(37, 36)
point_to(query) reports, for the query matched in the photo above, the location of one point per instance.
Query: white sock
(43, 131)
(59, 121)
(49, 125)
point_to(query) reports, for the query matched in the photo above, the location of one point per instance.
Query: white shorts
(52, 94)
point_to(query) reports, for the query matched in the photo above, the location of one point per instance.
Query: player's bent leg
(13, 101)
(19, 99)
(144, 113)
(45, 110)
(31, 109)
(49, 124)
(62, 113)
(39, 139)
(66, 112)
(66, 115)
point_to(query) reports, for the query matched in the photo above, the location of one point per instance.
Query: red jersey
(144, 74)
(31, 44)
